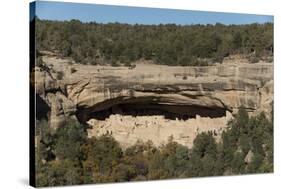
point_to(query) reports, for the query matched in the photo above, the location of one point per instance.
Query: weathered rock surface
(86, 89)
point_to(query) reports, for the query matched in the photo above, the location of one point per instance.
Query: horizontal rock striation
(84, 91)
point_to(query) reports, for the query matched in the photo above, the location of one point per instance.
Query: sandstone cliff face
(85, 89)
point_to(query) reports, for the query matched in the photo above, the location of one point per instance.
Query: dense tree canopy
(170, 44)
(68, 157)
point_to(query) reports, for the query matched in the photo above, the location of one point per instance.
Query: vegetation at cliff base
(67, 156)
(169, 44)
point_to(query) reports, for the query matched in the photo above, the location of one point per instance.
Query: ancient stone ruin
(151, 102)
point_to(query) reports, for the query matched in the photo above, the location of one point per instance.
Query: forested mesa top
(169, 44)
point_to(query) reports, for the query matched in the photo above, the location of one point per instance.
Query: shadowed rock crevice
(42, 108)
(140, 107)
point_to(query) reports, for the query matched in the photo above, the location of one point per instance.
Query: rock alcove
(151, 102)
(139, 119)
(137, 109)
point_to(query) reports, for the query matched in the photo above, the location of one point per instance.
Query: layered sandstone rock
(187, 91)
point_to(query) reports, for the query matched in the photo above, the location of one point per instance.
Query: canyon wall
(199, 93)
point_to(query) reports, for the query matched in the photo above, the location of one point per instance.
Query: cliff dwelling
(141, 121)
(153, 102)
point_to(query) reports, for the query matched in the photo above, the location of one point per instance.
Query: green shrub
(166, 44)
(70, 157)
(254, 59)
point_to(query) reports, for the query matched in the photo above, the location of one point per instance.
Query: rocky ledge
(86, 92)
